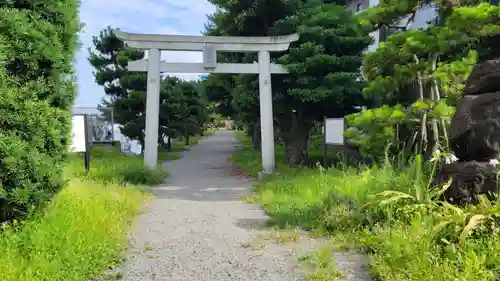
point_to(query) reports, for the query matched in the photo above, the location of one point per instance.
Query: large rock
(475, 128)
(475, 138)
(469, 179)
(484, 78)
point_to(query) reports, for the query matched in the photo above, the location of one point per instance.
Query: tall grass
(391, 214)
(77, 237)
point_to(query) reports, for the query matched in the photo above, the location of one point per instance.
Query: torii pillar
(210, 45)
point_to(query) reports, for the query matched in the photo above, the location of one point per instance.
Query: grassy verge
(81, 232)
(108, 165)
(77, 237)
(389, 214)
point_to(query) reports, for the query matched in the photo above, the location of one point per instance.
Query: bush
(31, 148)
(78, 236)
(37, 45)
(108, 165)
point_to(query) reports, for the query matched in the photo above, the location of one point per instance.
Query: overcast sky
(185, 17)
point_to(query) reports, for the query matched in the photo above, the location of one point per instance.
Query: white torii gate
(155, 43)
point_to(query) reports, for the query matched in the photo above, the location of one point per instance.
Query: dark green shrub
(38, 40)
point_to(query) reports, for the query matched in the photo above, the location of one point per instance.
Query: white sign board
(334, 130)
(78, 134)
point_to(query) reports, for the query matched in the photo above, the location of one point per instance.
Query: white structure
(357, 6)
(425, 15)
(127, 145)
(210, 45)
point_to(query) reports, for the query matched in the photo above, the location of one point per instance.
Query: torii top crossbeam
(197, 43)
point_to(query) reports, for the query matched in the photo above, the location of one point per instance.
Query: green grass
(81, 232)
(77, 237)
(386, 212)
(108, 165)
(320, 265)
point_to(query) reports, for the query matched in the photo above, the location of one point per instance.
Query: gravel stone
(196, 227)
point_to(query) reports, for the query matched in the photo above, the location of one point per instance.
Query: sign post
(86, 154)
(333, 130)
(80, 137)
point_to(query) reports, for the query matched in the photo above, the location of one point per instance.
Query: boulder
(475, 128)
(484, 78)
(475, 138)
(469, 179)
(480, 143)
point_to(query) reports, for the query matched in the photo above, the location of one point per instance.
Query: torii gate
(155, 43)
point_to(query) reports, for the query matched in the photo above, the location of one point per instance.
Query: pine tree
(324, 66)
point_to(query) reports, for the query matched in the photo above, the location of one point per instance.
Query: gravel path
(196, 227)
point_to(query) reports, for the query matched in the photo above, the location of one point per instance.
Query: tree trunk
(256, 137)
(422, 144)
(437, 95)
(186, 135)
(169, 144)
(434, 97)
(143, 146)
(295, 138)
(161, 141)
(296, 148)
(435, 132)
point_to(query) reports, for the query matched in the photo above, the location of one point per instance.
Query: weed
(320, 265)
(148, 248)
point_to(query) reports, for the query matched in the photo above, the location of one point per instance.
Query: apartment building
(425, 15)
